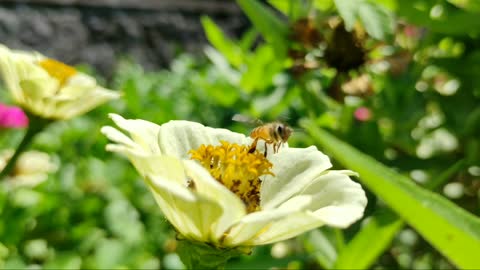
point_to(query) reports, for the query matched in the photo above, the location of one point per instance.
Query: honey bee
(275, 133)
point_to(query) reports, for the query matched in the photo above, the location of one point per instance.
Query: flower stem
(197, 255)
(35, 126)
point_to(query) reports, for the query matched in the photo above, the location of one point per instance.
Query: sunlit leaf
(453, 231)
(323, 4)
(378, 22)
(361, 252)
(230, 50)
(321, 248)
(347, 10)
(468, 5)
(248, 39)
(110, 254)
(272, 28)
(453, 20)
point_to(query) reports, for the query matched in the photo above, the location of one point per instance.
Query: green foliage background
(418, 153)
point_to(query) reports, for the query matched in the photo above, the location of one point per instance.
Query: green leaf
(110, 253)
(65, 261)
(131, 229)
(262, 66)
(453, 21)
(361, 252)
(230, 50)
(376, 19)
(247, 40)
(446, 175)
(323, 5)
(468, 5)
(221, 63)
(347, 10)
(453, 231)
(321, 247)
(388, 4)
(199, 255)
(273, 29)
(295, 9)
(284, 6)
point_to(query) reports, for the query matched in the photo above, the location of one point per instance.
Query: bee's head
(284, 131)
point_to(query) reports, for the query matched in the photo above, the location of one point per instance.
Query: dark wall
(99, 35)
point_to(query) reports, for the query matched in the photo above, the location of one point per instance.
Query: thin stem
(339, 239)
(35, 126)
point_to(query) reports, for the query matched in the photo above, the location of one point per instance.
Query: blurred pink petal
(12, 117)
(363, 114)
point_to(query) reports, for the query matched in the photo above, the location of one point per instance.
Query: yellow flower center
(237, 169)
(58, 70)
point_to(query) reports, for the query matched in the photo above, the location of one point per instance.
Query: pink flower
(363, 114)
(12, 117)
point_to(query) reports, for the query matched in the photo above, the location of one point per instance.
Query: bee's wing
(247, 119)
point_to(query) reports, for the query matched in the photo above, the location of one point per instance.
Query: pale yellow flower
(228, 197)
(31, 169)
(48, 88)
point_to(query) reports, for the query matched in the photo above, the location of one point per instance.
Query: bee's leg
(265, 154)
(253, 147)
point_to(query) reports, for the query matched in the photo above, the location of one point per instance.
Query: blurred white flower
(31, 169)
(228, 197)
(48, 88)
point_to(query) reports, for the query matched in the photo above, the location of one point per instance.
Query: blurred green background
(397, 80)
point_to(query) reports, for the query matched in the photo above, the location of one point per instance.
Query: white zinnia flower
(48, 88)
(31, 169)
(240, 198)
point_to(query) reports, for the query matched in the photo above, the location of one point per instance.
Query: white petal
(9, 73)
(33, 88)
(209, 208)
(256, 223)
(72, 106)
(190, 214)
(202, 210)
(294, 169)
(20, 68)
(115, 135)
(335, 200)
(145, 161)
(204, 184)
(38, 87)
(32, 162)
(143, 133)
(170, 168)
(288, 227)
(29, 180)
(78, 85)
(177, 138)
